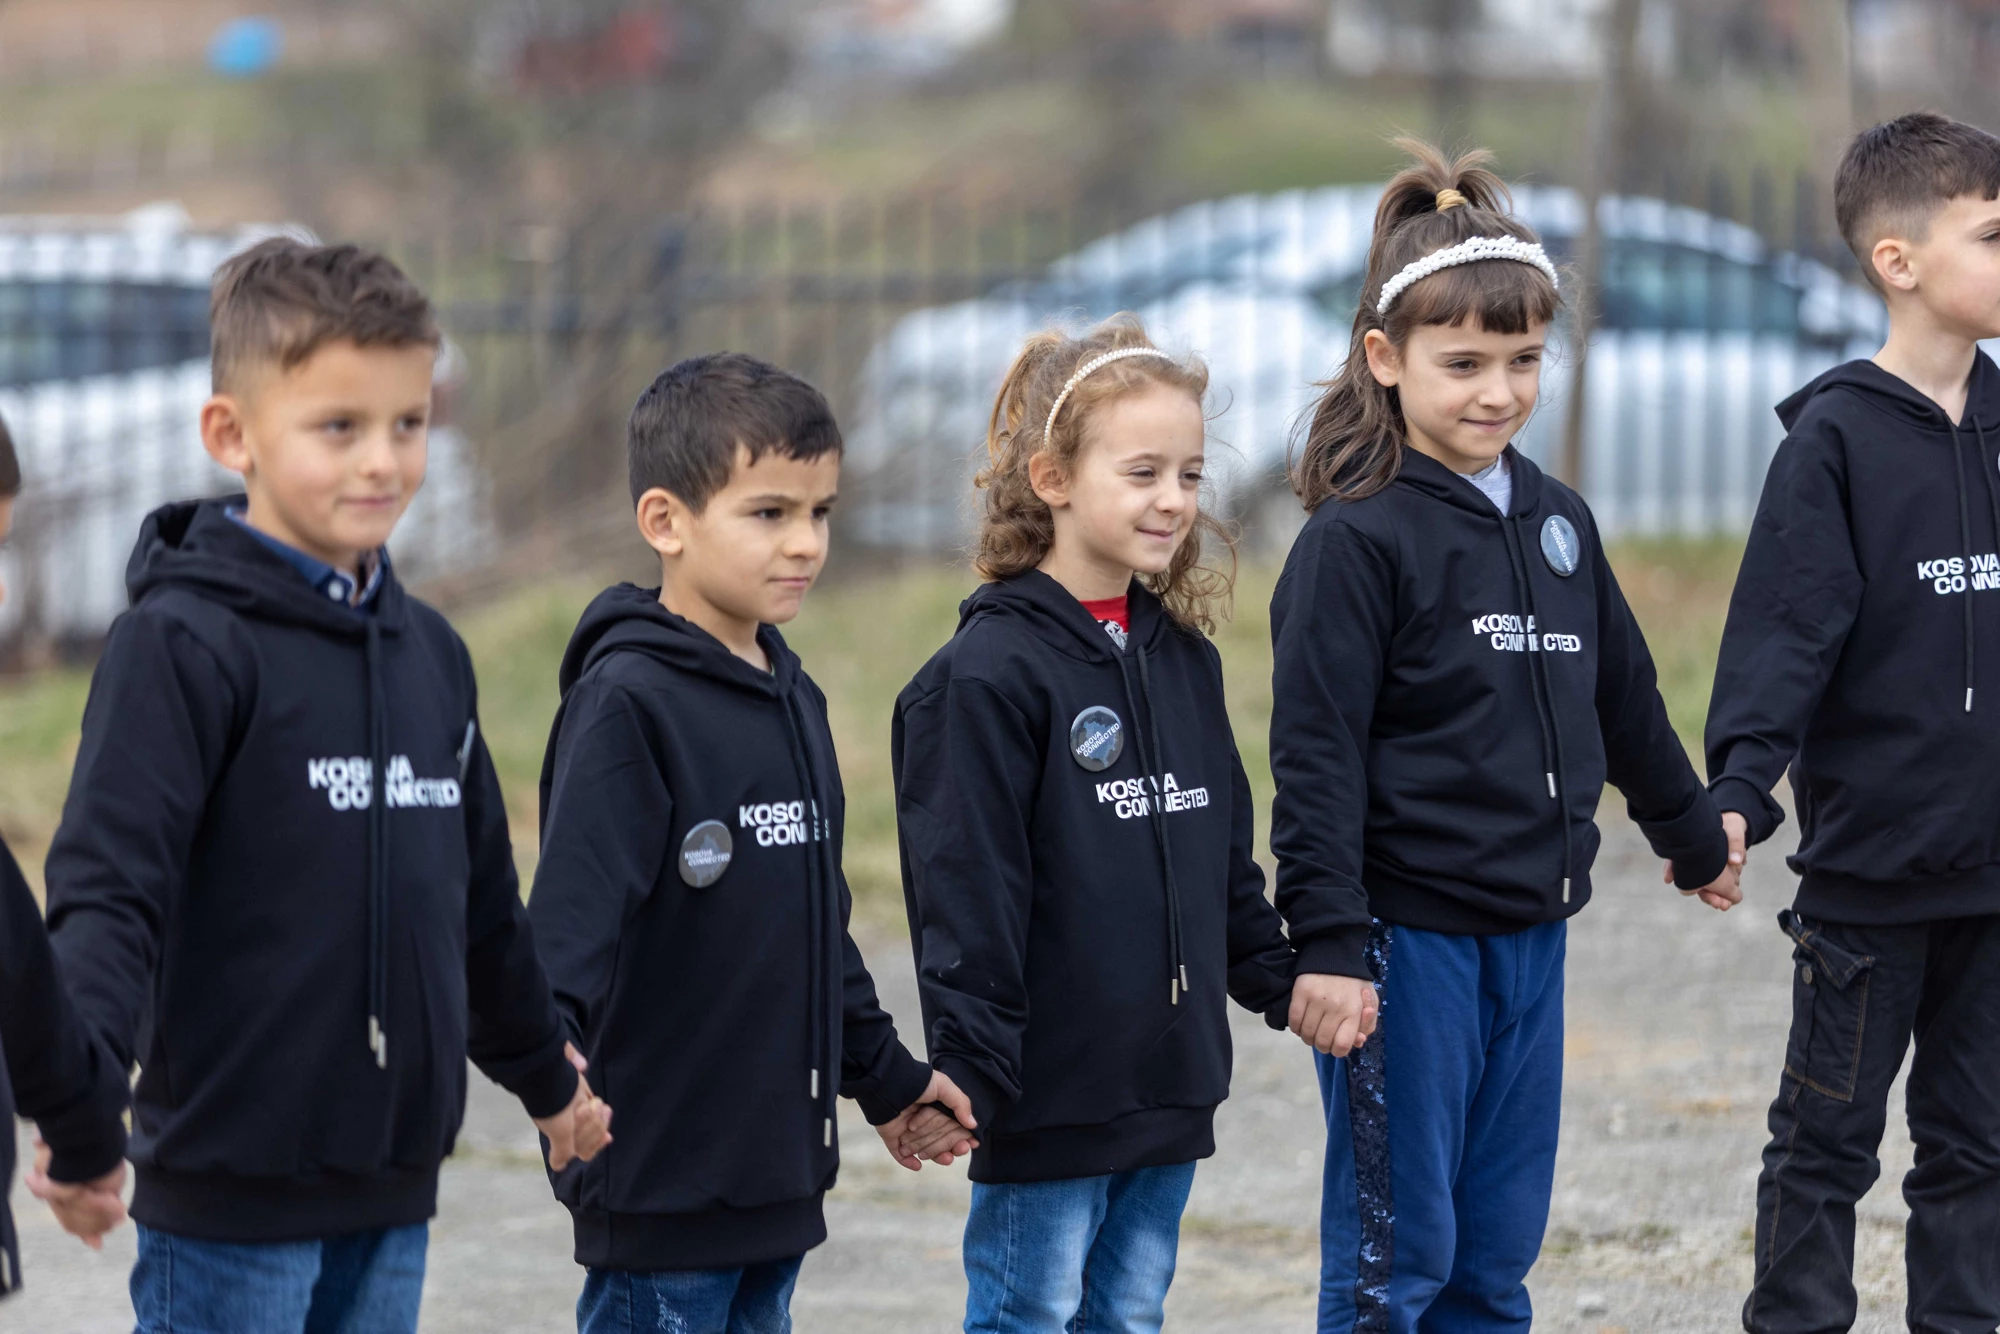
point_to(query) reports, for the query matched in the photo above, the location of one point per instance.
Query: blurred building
(895, 37)
(1528, 39)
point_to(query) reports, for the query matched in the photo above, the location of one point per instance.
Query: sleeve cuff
(1693, 841)
(76, 1158)
(548, 1088)
(1342, 952)
(1758, 810)
(884, 1097)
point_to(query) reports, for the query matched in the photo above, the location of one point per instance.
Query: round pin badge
(705, 853)
(1560, 547)
(1097, 738)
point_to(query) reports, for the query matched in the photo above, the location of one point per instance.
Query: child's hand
(580, 1130)
(1333, 1014)
(88, 1209)
(1727, 890)
(923, 1133)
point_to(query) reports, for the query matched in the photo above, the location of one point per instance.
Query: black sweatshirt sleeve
(1261, 962)
(604, 844)
(876, 1069)
(66, 1082)
(156, 735)
(1643, 757)
(967, 770)
(1332, 618)
(1796, 597)
(515, 1036)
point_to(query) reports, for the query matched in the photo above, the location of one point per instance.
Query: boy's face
(332, 450)
(751, 553)
(1954, 271)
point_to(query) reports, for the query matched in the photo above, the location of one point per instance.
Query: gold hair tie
(1449, 199)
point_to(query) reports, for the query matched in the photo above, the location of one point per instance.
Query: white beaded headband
(1084, 372)
(1465, 252)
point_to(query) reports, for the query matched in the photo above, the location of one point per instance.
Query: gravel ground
(1676, 1024)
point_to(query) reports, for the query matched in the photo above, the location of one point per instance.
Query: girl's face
(1465, 391)
(1130, 496)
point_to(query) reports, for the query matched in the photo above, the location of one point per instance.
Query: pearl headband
(1084, 372)
(1465, 252)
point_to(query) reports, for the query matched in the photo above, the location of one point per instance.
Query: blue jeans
(755, 1299)
(361, 1283)
(1441, 1136)
(1093, 1255)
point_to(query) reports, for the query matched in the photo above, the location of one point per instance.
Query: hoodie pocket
(1830, 985)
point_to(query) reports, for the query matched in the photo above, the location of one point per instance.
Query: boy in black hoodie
(49, 1065)
(282, 883)
(689, 902)
(1863, 650)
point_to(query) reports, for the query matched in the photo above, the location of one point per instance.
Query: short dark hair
(10, 465)
(282, 300)
(688, 425)
(1895, 176)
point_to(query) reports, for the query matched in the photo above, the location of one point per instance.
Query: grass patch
(862, 640)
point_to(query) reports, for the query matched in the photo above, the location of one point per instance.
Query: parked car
(103, 370)
(1704, 327)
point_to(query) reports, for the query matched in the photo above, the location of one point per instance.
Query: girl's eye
(820, 512)
(1192, 476)
(337, 426)
(1528, 359)
(412, 423)
(1143, 474)
(1462, 366)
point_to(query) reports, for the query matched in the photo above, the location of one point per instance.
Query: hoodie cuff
(86, 1139)
(548, 1088)
(988, 1099)
(1757, 808)
(889, 1092)
(1342, 952)
(1693, 841)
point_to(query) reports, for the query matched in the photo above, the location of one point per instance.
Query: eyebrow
(777, 498)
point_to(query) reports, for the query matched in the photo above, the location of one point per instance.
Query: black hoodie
(692, 914)
(299, 968)
(1077, 837)
(73, 1089)
(1863, 641)
(1451, 691)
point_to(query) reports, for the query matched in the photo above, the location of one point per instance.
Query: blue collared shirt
(335, 585)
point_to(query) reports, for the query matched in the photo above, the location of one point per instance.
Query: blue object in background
(244, 48)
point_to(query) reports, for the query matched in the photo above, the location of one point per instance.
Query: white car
(1704, 328)
(103, 370)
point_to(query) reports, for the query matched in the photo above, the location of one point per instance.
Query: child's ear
(1891, 261)
(663, 519)
(1046, 477)
(222, 433)
(1385, 360)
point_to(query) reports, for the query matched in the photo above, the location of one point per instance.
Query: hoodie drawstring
(1155, 801)
(378, 851)
(822, 1087)
(1545, 707)
(1965, 545)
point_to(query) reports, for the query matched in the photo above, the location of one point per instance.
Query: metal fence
(907, 312)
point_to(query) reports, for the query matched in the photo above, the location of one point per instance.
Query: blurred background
(886, 196)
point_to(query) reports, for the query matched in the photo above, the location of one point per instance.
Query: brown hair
(687, 427)
(282, 300)
(1895, 176)
(1354, 445)
(1016, 529)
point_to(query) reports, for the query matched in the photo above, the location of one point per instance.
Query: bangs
(1502, 296)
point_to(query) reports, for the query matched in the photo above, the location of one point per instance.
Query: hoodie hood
(1893, 395)
(1425, 475)
(1051, 613)
(626, 617)
(195, 545)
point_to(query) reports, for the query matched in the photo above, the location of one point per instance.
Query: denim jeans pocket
(1829, 1008)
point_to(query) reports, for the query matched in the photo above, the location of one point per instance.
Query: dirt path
(1676, 1022)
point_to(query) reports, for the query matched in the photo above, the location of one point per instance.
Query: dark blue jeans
(1860, 994)
(1090, 1255)
(362, 1283)
(755, 1299)
(1441, 1136)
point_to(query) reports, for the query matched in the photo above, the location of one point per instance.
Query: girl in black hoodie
(1076, 837)
(1456, 678)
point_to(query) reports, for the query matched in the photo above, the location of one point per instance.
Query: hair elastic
(1449, 199)
(1466, 252)
(1084, 372)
